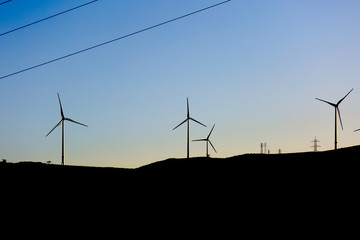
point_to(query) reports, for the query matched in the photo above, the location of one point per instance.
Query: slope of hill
(298, 192)
(334, 163)
(316, 171)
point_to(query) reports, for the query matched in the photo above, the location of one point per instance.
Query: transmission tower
(315, 146)
(265, 148)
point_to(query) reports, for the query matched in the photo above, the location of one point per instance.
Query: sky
(253, 68)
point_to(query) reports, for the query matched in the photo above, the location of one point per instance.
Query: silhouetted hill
(333, 163)
(264, 166)
(326, 170)
(263, 193)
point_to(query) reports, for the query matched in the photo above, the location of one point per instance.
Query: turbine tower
(188, 130)
(62, 121)
(337, 112)
(207, 140)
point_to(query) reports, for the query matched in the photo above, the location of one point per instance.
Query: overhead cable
(5, 2)
(41, 20)
(113, 40)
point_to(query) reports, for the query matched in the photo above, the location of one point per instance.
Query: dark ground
(297, 192)
(313, 172)
(328, 168)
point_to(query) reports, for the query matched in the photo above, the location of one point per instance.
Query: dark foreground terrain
(302, 192)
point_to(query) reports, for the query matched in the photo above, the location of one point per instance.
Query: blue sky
(253, 68)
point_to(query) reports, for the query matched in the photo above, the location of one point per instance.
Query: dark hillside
(294, 192)
(305, 166)
(323, 181)
(339, 165)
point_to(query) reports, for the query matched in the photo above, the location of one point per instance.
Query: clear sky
(253, 68)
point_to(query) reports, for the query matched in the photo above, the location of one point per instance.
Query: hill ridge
(330, 155)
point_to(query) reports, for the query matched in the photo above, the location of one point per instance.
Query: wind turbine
(207, 140)
(337, 111)
(62, 121)
(188, 120)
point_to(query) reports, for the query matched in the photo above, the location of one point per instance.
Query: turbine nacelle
(336, 106)
(188, 117)
(63, 118)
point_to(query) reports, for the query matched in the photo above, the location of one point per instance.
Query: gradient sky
(253, 68)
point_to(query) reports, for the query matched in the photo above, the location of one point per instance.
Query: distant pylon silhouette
(315, 146)
(265, 148)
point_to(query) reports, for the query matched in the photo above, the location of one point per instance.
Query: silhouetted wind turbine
(337, 111)
(188, 120)
(62, 121)
(207, 140)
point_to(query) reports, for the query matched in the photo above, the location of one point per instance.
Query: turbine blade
(200, 140)
(334, 105)
(197, 122)
(180, 124)
(210, 132)
(54, 127)
(188, 112)
(75, 122)
(338, 111)
(344, 97)
(212, 146)
(357, 130)
(62, 113)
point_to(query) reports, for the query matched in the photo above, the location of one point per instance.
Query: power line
(41, 20)
(5, 2)
(113, 40)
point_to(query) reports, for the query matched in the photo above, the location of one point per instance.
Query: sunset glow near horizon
(253, 68)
